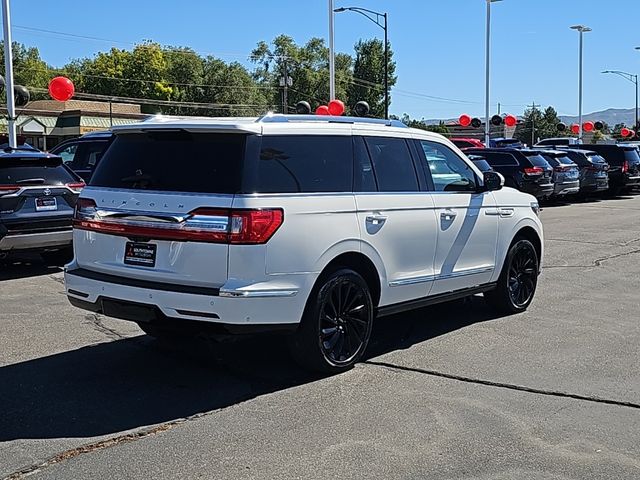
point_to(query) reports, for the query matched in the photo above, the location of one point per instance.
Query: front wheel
(336, 325)
(518, 279)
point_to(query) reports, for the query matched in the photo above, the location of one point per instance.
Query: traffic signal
(598, 125)
(496, 120)
(476, 123)
(561, 127)
(21, 95)
(303, 108)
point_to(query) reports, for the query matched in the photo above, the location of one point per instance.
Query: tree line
(206, 85)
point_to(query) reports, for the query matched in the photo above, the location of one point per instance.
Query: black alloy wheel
(336, 325)
(518, 280)
(523, 274)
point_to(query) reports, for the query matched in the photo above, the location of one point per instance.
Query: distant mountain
(612, 116)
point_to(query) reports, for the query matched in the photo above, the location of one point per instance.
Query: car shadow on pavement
(25, 266)
(128, 383)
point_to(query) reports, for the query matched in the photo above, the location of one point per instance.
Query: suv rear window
(18, 171)
(176, 161)
(537, 161)
(305, 163)
(631, 155)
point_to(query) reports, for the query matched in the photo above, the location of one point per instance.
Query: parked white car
(315, 225)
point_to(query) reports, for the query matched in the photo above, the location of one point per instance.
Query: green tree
(368, 75)
(308, 67)
(538, 124)
(29, 69)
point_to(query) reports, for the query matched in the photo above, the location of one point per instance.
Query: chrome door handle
(448, 215)
(376, 219)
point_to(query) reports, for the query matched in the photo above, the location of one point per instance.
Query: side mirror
(492, 181)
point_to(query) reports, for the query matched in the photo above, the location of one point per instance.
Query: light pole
(375, 18)
(633, 79)
(488, 75)
(582, 29)
(332, 55)
(8, 66)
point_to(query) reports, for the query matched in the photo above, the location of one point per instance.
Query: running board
(432, 300)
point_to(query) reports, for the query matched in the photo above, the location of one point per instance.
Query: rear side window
(565, 160)
(176, 161)
(538, 161)
(392, 163)
(501, 160)
(482, 164)
(305, 163)
(597, 159)
(462, 143)
(30, 172)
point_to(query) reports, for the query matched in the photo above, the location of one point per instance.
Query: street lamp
(332, 55)
(488, 75)
(633, 79)
(582, 29)
(376, 17)
(8, 65)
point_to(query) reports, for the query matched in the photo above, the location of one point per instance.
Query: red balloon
(465, 120)
(61, 89)
(322, 110)
(336, 107)
(626, 132)
(510, 120)
(575, 128)
(587, 126)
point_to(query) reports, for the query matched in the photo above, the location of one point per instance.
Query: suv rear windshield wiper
(31, 181)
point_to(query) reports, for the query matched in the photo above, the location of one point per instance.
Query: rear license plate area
(140, 254)
(46, 204)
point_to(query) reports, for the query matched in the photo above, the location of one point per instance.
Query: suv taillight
(210, 225)
(8, 189)
(534, 171)
(625, 166)
(76, 187)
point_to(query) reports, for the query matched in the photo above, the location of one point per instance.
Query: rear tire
(518, 279)
(336, 324)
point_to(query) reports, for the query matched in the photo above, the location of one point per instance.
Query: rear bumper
(27, 241)
(269, 306)
(538, 191)
(566, 188)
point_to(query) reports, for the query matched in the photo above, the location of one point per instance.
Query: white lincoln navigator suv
(316, 225)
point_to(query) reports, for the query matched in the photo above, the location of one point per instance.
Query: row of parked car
(555, 171)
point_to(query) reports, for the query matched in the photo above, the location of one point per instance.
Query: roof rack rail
(280, 118)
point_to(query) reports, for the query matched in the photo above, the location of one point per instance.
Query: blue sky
(438, 44)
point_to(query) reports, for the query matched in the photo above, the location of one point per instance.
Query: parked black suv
(624, 164)
(37, 197)
(83, 154)
(593, 170)
(524, 170)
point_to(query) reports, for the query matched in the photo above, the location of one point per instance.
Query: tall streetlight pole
(8, 66)
(332, 55)
(582, 29)
(633, 79)
(487, 106)
(375, 18)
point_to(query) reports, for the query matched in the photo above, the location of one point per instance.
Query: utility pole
(533, 122)
(498, 108)
(8, 65)
(285, 82)
(332, 55)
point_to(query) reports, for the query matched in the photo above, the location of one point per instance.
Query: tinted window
(597, 159)
(305, 163)
(462, 144)
(538, 161)
(392, 164)
(501, 160)
(364, 179)
(68, 153)
(482, 164)
(173, 161)
(34, 172)
(564, 160)
(631, 155)
(449, 172)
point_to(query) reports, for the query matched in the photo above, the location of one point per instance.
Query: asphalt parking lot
(446, 392)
